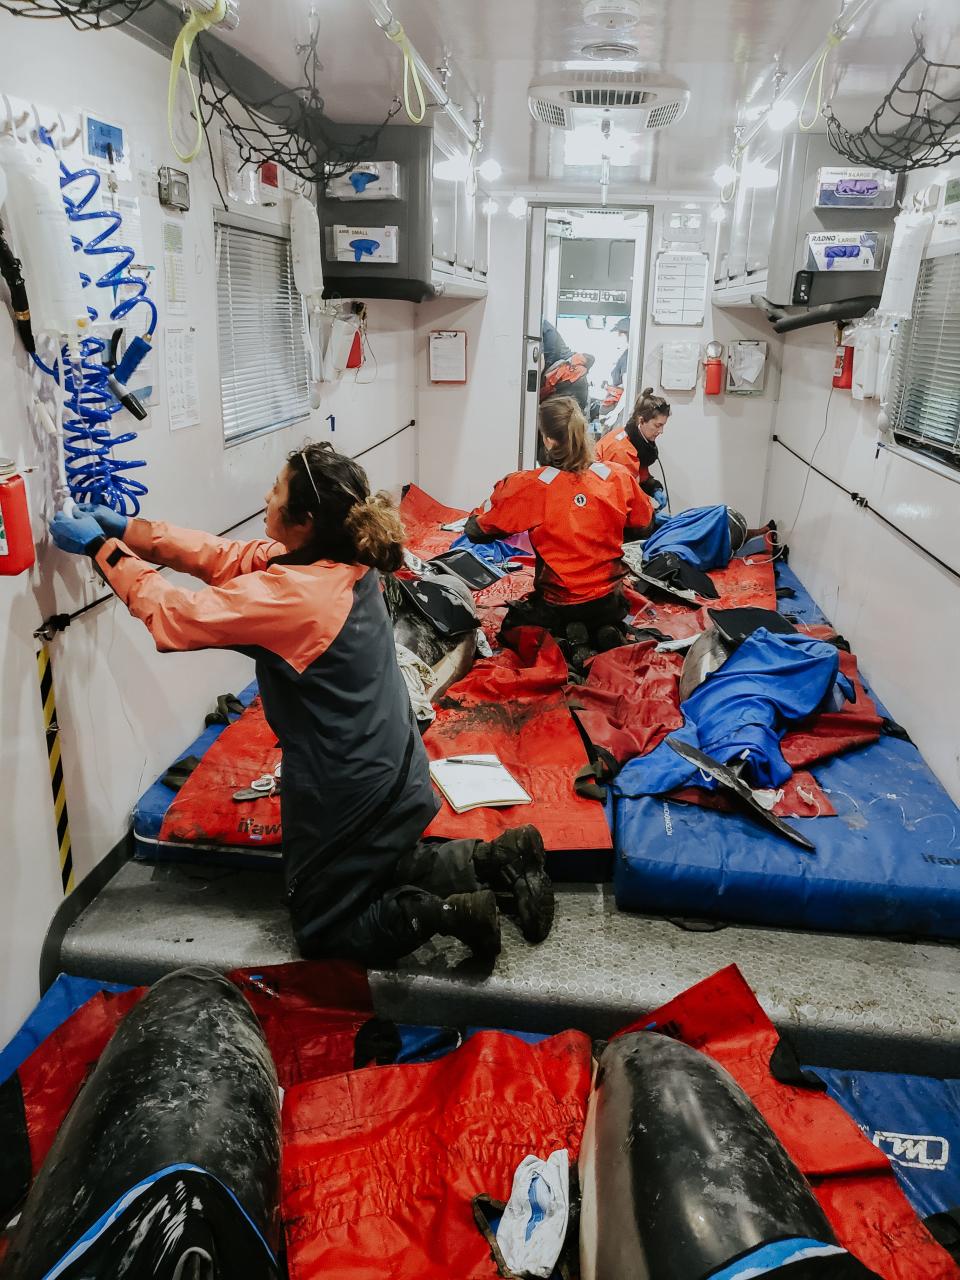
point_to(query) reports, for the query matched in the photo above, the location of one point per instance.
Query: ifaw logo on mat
(914, 1150)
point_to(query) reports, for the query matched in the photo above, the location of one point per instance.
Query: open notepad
(477, 782)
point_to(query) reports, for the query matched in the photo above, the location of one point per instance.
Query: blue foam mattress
(888, 862)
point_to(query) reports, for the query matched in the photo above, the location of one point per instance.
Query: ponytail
(377, 533)
(648, 406)
(349, 525)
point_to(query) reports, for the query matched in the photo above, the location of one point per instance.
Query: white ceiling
(723, 49)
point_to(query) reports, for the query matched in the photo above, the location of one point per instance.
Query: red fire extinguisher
(843, 364)
(713, 369)
(17, 551)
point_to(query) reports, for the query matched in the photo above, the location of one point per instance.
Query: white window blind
(925, 386)
(263, 365)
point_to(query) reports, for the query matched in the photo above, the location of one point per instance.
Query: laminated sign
(843, 251)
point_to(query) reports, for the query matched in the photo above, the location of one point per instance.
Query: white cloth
(418, 677)
(534, 1222)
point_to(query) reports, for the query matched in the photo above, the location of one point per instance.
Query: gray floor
(846, 1001)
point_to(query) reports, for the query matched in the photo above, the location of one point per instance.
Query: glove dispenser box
(361, 245)
(378, 180)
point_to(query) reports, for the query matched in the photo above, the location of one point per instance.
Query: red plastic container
(713, 377)
(17, 551)
(843, 367)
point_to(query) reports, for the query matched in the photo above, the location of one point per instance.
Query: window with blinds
(925, 387)
(263, 364)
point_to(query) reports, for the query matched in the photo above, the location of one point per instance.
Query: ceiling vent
(610, 50)
(633, 100)
(613, 15)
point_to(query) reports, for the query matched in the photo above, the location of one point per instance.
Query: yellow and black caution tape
(52, 730)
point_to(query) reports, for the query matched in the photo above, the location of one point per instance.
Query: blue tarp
(889, 862)
(491, 553)
(700, 536)
(915, 1121)
(768, 683)
(63, 998)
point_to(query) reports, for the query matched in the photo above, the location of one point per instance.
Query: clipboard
(448, 355)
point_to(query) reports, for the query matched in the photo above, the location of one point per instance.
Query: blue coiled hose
(93, 474)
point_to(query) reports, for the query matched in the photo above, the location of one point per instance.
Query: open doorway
(586, 289)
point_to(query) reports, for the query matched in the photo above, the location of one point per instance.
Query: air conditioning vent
(549, 113)
(635, 101)
(660, 117)
(608, 97)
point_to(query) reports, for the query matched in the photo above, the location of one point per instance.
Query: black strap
(377, 1042)
(785, 1067)
(945, 1229)
(890, 729)
(179, 772)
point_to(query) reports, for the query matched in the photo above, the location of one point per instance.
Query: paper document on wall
(448, 355)
(679, 365)
(174, 270)
(183, 393)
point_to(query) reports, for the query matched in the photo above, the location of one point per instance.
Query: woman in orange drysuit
(634, 445)
(306, 604)
(578, 512)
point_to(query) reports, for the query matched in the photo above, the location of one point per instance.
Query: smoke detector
(632, 100)
(612, 15)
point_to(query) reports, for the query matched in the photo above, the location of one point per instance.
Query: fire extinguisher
(17, 551)
(713, 369)
(843, 363)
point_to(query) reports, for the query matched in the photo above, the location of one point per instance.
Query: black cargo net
(290, 128)
(84, 15)
(914, 127)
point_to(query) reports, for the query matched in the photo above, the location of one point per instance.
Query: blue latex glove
(74, 533)
(659, 498)
(112, 523)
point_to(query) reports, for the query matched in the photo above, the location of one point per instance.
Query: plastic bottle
(17, 551)
(40, 232)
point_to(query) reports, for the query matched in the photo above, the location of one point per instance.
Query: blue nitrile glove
(77, 533)
(659, 498)
(112, 523)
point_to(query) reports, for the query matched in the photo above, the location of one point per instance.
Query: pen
(489, 764)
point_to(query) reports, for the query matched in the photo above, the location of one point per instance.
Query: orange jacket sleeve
(211, 559)
(515, 505)
(249, 609)
(639, 506)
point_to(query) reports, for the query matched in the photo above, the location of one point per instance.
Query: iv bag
(305, 247)
(40, 233)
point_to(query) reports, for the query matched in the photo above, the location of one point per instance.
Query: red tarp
(204, 811)
(422, 517)
(380, 1166)
(851, 1178)
(512, 705)
(310, 1012)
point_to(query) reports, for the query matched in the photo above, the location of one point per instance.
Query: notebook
(477, 782)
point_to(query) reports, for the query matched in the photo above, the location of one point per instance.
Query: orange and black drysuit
(627, 447)
(356, 794)
(565, 372)
(577, 521)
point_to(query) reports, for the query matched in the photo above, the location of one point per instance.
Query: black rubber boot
(473, 919)
(513, 864)
(577, 633)
(609, 637)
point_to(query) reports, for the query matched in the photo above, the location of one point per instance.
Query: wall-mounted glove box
(375, 180)
(361, 244)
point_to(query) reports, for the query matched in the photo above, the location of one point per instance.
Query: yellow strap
(399, 37)
(196, 23)
(831, 42)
